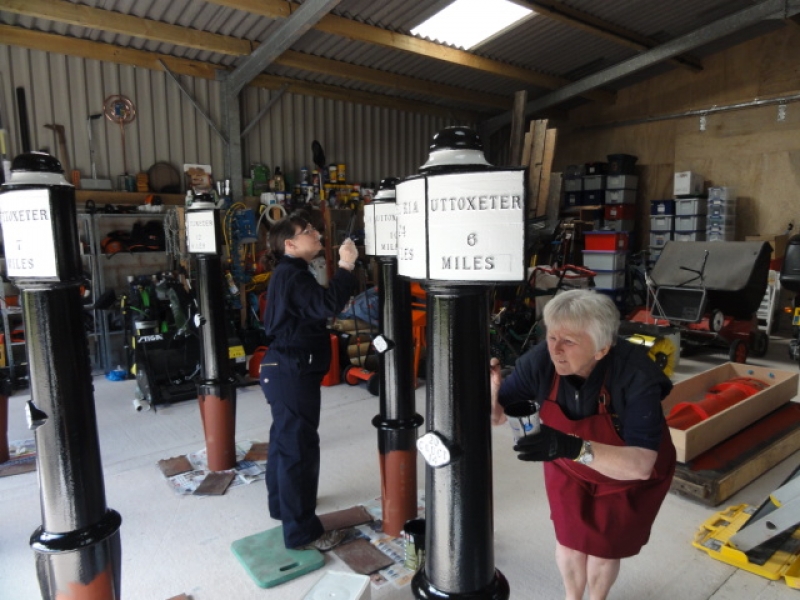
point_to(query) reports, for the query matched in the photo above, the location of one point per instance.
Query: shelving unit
(111, 272)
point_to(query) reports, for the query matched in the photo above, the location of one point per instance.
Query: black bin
(621, 164)
(790, 270)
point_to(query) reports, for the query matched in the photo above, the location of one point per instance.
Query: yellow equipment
(661, 350)
(764, 541)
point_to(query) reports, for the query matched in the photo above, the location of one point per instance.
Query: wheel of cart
(737, 352)
(354, 374)
(759, 343)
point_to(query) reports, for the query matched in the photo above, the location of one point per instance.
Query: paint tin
(414, 544)
(523, 417)
(333, 173)
(341, 175)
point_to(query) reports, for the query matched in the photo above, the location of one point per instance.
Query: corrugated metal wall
(373, 142)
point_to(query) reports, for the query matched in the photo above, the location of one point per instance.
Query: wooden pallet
(726, 468)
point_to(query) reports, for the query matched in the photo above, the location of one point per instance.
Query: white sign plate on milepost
(28, 234)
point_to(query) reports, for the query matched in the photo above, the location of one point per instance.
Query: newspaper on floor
(246, 471)
(397, 574)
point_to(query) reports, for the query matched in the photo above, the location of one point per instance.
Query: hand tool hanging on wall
(22, 110)
(63, 155)
(93, 183)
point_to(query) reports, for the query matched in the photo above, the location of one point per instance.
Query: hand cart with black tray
(711, 292)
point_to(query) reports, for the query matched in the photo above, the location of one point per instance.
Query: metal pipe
(697, 112)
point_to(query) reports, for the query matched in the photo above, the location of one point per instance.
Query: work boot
(327, 541)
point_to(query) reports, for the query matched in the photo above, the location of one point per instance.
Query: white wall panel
(373, 142)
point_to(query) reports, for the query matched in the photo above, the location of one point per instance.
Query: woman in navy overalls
(292, 369)
(607, 452)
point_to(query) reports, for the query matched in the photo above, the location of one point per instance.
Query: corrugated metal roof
(541, 44)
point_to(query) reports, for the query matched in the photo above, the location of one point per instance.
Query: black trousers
(290, 380)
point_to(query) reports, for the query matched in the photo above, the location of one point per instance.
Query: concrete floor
(175, 544)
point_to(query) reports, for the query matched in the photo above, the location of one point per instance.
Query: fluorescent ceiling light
(467, 23)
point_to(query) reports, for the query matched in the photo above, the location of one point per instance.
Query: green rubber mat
(269, 563)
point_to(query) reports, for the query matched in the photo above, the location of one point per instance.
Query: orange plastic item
(255, 361)
(719, 397)
(419, 322)
(334, 374)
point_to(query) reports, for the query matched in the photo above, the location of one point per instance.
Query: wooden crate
(711, 431)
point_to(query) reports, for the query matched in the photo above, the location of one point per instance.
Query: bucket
(523, 417)
(414, 544)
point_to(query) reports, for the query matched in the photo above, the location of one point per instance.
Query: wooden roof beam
(59, 44)
(94, 18)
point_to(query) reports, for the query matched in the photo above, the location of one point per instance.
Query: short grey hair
(584, 310)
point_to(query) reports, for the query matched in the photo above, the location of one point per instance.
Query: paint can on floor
(414, 544)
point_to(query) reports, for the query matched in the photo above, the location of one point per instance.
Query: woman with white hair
(607, 453)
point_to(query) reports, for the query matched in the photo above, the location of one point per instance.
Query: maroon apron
(593, 513)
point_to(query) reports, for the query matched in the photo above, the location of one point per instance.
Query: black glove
(548, 444)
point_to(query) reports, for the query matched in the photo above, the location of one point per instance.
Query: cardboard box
(778, 243)
(710, 432)
(688, 183)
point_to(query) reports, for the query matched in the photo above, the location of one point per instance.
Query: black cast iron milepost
(77, 547)
(397, 421)
(216, 391)
(460, 228)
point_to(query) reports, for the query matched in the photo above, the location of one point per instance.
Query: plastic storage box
(662, 207)
(722, 193)
(621, 182)
(690, 236)
(594, 182)
(691, 206)
(608, 241)
(593, 197)
(596, 168)
(659, 238)
(573, 185)
(603, 261)
(620, 196)
(620, 211)
(690, 222)
(609, 280)
(721, 208)
(573, 198)
(620, 224)
(662, 223)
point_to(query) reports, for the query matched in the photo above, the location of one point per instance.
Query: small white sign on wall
(412, 251)
(28, 234)
(201, 235)
(380, 228)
